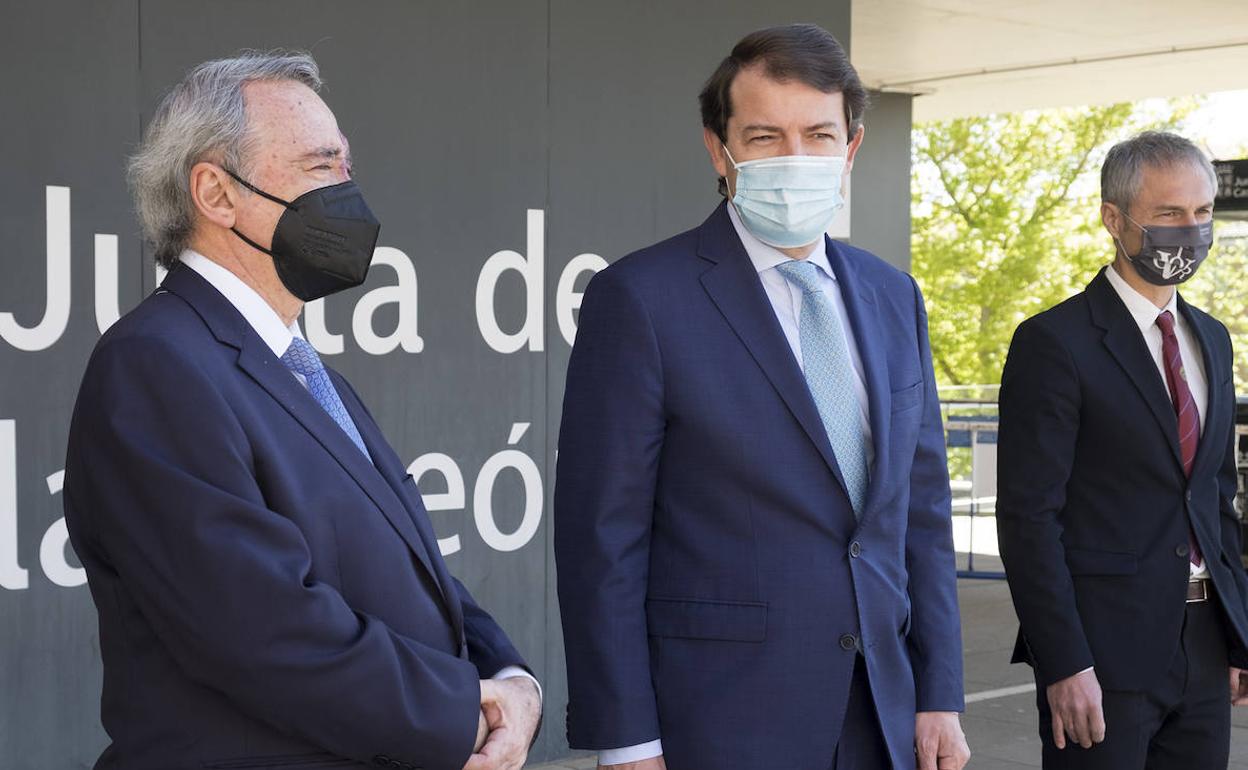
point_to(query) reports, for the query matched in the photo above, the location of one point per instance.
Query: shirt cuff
(511, 672)
(631, 753)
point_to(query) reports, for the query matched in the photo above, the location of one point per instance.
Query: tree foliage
(1005, 222)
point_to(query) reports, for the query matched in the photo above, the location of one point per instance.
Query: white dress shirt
(786, 301)
(1145, 314)
(262, 318)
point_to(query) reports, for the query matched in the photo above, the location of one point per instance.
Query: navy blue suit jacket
(266, 596)
(713, 581)
(1093, 506)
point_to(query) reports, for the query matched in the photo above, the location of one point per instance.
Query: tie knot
(803, 273)
(1166, 321)
(301, 357)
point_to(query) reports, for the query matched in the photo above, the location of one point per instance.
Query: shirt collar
(1141, 308)
(765, 257)
(247, 301)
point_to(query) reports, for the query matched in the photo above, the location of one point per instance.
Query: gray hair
(1123, 170)
(202, 118)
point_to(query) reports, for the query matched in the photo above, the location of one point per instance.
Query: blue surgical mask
(788, 201)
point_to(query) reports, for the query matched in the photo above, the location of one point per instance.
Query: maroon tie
(1184, 406)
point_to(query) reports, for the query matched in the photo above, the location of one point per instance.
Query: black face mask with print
(1171, 254)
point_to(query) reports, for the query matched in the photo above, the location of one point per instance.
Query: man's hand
(1239, 686)
(938, 741)
(1076, 705)
(511, 708)
(654, 763)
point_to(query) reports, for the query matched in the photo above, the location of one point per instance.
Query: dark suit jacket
(713, 581)
(1093, 506)
(267, 597)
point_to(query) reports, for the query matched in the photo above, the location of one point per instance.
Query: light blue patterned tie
(301, 358)
(830, 377)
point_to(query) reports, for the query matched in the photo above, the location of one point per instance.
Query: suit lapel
(1214, 407)
(1127, 346)
(394, 473)
(864, 322)
(734, 287)
(257, 361)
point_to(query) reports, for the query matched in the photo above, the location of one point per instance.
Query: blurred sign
(1232, 185)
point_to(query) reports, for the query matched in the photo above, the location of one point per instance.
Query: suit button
(855, 549)
(1181, 550)
(848, 642)
(1189, 495)
(381, 760)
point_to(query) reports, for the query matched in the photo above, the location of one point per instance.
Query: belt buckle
(1203, 592)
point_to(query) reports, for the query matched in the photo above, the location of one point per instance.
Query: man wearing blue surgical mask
(1117, 483)
(752, 512)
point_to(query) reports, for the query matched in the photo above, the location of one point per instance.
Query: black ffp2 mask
(323, 242)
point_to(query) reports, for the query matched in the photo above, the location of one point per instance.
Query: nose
(793, 146)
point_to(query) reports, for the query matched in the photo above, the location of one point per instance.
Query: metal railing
(970, 438)
(971, 442)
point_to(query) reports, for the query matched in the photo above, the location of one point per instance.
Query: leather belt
(1197, 591)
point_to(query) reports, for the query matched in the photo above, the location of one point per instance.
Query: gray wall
(462, 117)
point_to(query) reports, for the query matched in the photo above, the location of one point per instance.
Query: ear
(214, 194)
(715, 147)
(851, 150)
(1112, 219)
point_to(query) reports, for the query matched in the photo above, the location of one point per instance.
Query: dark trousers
(862, 744)
(1183, 722)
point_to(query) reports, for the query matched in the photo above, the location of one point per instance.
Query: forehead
(287, 118)
(1179, 184)
(758, 98)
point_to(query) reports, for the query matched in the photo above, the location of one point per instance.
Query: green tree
(1006, 223)
(1219, 289)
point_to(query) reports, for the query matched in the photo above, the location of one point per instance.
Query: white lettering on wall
(12, 576)
(55, 540)
(531, 270)
(56, 313)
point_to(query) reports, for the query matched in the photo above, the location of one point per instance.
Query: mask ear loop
(1118, 240)
(735, 167)
(257, 190)
(260, 192)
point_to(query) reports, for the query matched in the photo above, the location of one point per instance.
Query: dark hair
(804, 52)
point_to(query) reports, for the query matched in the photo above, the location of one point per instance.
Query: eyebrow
(1176, 207)
(323, 153)
(776, 129)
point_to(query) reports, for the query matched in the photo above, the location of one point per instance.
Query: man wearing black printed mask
(269, 587)
(1116, 486)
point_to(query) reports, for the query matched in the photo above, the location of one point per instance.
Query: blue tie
(301, 358)
(830, 377)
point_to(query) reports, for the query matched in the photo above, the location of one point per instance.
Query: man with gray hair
(269, 587)
(1116, 488)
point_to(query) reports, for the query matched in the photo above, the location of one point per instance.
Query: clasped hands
(510, 712)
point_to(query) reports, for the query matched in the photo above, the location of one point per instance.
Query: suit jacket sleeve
(226, 583)
(1232, 539)
(489, 648)
(1039, 405)
(609, 446)
(935, 639)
